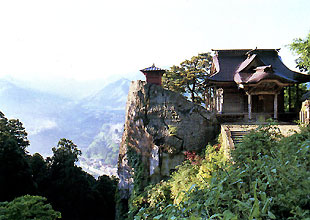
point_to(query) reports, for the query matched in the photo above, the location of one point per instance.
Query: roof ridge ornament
(250, 52)
(152, 68)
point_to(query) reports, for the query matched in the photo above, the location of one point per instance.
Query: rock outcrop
(160, 126)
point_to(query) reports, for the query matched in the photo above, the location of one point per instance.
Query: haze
(49, 44)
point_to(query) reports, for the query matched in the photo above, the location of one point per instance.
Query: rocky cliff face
(160, 126)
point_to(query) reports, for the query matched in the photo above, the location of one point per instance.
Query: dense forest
(33, 187)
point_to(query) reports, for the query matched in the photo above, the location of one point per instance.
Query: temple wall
(233, 101)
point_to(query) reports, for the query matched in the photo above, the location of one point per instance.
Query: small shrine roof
(152, 68)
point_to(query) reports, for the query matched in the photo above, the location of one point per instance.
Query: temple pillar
(220, 96)
(289, 99)
(275, 106)
(217, 103)
(297, 105)
(250, 106)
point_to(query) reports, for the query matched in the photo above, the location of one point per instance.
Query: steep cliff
(160, 126)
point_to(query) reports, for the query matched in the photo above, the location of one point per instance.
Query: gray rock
(160, 126)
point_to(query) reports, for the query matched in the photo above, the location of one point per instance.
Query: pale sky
(91, 39)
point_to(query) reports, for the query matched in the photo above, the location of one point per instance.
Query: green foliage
(15, 173)
(13, 131)
(65, 154)
(269, 178)
(68, 182)
(173, 130)
(135, 162)
(105, 145)
(189, 78)
(75, 193)
(28, 207)
(182, 180)
(295, 101)
(139, 176)
(301, 47)
(154, 199)
(40, 172)
(167, 196)
(103, 191)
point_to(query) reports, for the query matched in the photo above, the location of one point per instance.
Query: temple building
(248, 85)
(153, 74)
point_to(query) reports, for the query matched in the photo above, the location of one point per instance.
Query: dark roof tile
(230, 62)
(152, 68)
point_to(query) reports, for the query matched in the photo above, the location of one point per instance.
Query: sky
(99, 40)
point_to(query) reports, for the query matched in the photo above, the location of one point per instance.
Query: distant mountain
(69, 88)
(94, 123)
(37, 110)
(21, 100)
(109, 136)
(114, 96)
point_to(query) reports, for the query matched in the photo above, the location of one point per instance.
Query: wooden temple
(153, 74)
(249, 85)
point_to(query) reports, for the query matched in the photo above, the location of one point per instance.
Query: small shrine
(153, 74)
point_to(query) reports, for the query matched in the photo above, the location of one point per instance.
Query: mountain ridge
(87, 122)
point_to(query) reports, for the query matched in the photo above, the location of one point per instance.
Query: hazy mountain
(114, 95)
(69, 88)
(37, 110)
(21, 100)
(94, 123)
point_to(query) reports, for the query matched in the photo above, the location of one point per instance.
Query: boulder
(160, 126)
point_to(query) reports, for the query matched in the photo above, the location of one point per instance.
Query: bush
(269, 178)
(28, 207)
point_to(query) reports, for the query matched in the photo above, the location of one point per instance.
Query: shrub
(28, 207)
(269, 178)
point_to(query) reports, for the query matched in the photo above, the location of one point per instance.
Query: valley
(94, 123)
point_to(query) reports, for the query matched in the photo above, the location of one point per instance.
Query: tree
(40, 172)
(292, 101)
(105, 188)
(15, 173)
(301, 47)
(66, 154)
(28, 207)
(75, 193)
(189, 78)
(68, 184)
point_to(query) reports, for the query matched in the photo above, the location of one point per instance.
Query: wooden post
(209, 91)
(275, 106)
(250, 106)
(217, 103)
(213, 99)
(289, 99)
(297, 99)
(221, 94)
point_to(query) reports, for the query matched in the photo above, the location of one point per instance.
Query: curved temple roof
(252, 66)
